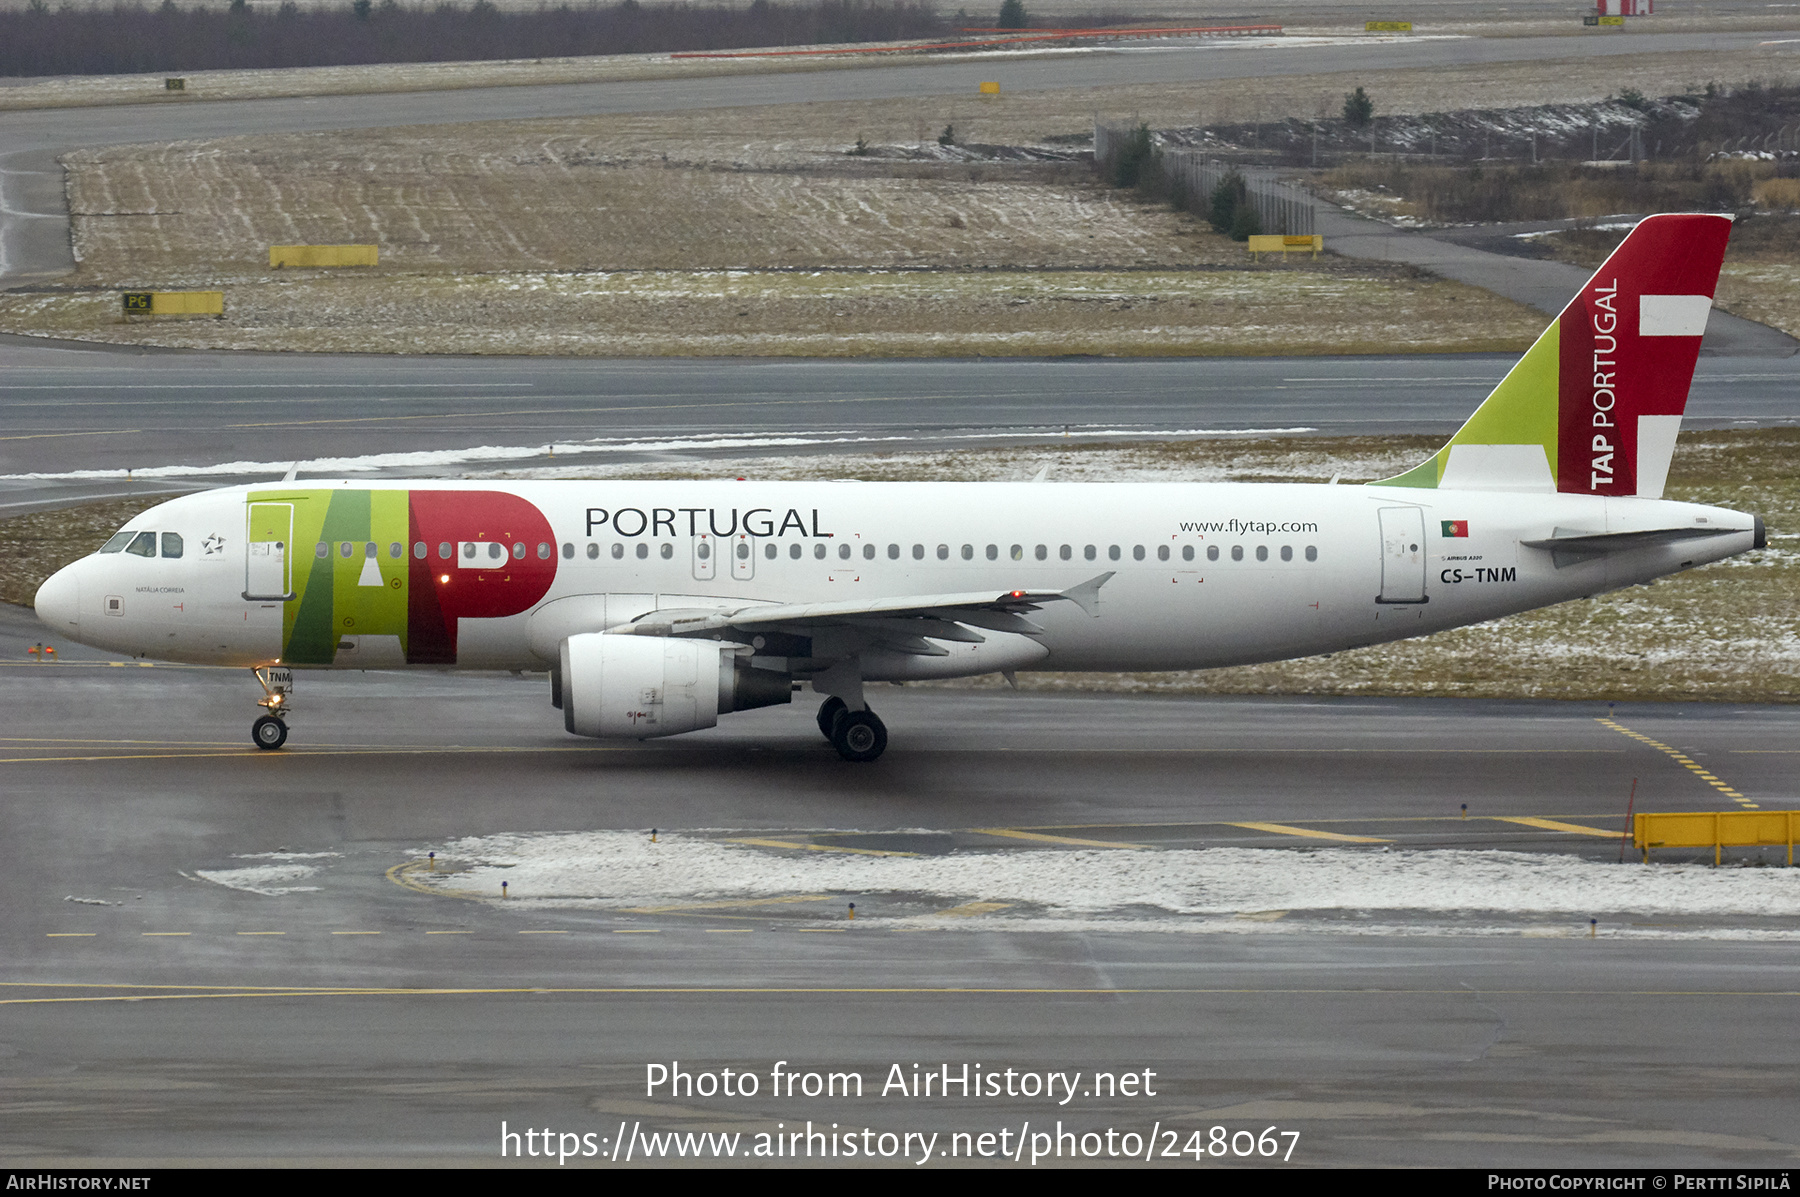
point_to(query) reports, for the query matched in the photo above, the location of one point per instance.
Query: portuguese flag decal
(1456, 527)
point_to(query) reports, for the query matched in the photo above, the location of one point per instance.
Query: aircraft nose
(58, 601)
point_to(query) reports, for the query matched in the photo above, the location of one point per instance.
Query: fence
(1280, 209)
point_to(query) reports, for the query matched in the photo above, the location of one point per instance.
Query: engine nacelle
(641, 687)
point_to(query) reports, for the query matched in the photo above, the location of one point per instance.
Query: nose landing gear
(857, 735)
(270, 731)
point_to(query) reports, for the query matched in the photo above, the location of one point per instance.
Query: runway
(158, 1009)
(77, 424)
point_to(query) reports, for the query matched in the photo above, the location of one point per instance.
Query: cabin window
(993, 552)
(1237, 552)
(1018, 552)
(703, 550)
(918, 552)
(1212, 553)
(1112, 553)
(643, 551)
(118, 542)
(1262, 552)
(171, 544)
(371, 550)
(769, 551)
(667, 550)
(1089, 552)
(868, 552)
(568, 551)
(543, 550)
(1162, 552)
(593, 551)
(1312, 552)
(819, 551)
(943, 552)
(142, 545)
(1287, 552)
(396, 550)
(443, 550)
(1137, 552)
(893, 552)
(618, 551)
(1065, 552)
(844, 550)
(968, 552)
(743, 551)
(419, 550)
(1043, 552)
(346, 550)
(794, 550)
(518, 550)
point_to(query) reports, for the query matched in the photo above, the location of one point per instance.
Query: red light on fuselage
(1018, 594)
(443, 578)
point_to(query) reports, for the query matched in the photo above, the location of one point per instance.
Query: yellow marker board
(1277, 243)
(1717, 829)
(990, 89)
(1388, 27)
(174, 303)
(321, 255)
(1618, 21)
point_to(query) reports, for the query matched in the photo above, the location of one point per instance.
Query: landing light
(443, 577)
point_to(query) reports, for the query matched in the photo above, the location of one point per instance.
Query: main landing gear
(270, 731)
(857, 735)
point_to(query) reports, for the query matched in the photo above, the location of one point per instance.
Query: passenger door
(270, 533)
(1402, 555)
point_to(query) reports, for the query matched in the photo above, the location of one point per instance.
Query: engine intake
(641, 687)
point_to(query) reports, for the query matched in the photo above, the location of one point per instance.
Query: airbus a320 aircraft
(656, 607)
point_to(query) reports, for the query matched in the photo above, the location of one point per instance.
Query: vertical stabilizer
(1594, 406)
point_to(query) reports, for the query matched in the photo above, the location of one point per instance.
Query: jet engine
(641, 687)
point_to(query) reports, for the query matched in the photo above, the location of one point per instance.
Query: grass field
(1727, 632)
(607, 235)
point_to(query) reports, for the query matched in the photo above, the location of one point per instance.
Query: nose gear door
(269, 535)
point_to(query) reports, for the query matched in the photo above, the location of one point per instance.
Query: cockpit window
(171, 544)
(143, 544)
(118, 542)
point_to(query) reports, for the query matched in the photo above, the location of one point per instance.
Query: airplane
(657, 607)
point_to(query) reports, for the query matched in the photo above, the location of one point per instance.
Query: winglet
(1087, 595)
(293, 472)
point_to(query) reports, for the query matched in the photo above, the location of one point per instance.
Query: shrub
(1359, 109)
(1012, 14)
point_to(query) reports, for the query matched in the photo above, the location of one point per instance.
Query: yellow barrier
(321, 255)
(1388, 27)
(174, 303)
(1717, 829)
(990, 89)
(1284, 244)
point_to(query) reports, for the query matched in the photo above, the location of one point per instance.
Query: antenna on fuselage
(1042, 473)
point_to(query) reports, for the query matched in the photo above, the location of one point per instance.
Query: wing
(907, 623)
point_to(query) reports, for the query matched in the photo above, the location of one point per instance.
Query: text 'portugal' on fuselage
(658, 606)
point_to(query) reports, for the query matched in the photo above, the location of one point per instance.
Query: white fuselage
(1203, 575)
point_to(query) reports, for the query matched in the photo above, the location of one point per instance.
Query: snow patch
(267, 880)
(618, 870)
